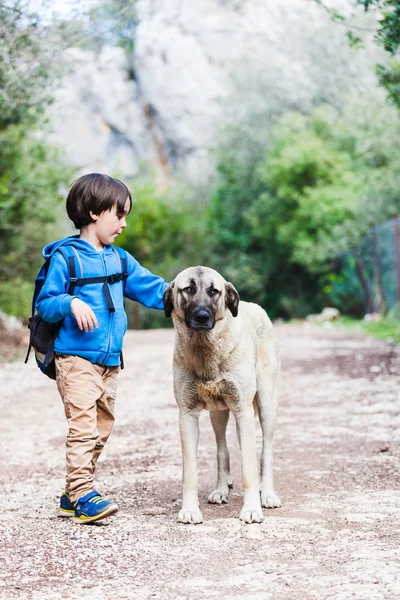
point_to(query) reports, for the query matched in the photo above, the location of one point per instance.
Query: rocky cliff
(198, 66)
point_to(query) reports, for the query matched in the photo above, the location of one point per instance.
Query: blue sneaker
(66, 508)
(92, 507)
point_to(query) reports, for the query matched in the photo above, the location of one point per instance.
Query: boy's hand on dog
(84, 315)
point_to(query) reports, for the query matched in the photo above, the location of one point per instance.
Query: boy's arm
(53, 303)
(142, 286)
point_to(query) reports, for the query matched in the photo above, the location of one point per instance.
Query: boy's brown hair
(95, 193)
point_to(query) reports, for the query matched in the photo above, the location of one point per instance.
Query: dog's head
(199, 296)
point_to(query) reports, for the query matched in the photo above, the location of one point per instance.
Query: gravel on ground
(336, 470)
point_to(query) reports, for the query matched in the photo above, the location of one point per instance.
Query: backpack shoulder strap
(121, 255)
(70, 254)
(39, 281)
(41, 277)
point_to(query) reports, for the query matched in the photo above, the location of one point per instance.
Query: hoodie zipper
(111, 314)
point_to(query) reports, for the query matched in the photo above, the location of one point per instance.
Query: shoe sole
(62, 512)
(110, 510)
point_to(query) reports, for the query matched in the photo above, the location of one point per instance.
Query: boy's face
(109, 224)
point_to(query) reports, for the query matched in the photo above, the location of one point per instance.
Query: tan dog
(225, 359)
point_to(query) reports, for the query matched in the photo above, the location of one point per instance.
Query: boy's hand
(84, 315)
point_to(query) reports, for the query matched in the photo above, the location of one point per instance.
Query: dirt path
(337, 472)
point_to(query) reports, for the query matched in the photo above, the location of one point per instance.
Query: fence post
(396, 222)
(378, 273)
(363, 280)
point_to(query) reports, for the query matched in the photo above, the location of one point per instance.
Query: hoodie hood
(72, 240)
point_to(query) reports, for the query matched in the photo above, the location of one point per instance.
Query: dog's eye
(188, 290)
(214, 292)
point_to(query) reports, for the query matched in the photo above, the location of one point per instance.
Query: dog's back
(257, 325)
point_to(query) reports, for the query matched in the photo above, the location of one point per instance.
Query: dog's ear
(232, 298)
(168, 301)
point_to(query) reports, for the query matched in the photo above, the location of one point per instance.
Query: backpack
(44, 334)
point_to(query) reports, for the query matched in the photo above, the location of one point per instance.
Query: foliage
(111, 23)
(114, 22)
(16, 297)
(387, 35)
(24, 89)
(279, 223)
(31, 172)
(389, 77)
(279, 212)
(343, 287)
(163, 230)
(386, 328)
(388, 28)
(31, 176)
(165, 234)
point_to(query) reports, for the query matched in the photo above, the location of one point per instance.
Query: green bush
(16, 298)
(32, 173)
(165, 233)
(388, 328)
(279, 220)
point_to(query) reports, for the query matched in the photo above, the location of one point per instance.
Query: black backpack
(44, 334)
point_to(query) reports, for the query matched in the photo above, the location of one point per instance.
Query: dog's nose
(202, 315)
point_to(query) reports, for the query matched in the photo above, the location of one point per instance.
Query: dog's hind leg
(219, 421)
(245, 426)
(267, 404)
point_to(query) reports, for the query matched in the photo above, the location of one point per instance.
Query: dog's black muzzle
(201, 319)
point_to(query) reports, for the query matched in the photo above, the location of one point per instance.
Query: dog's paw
(250, 514)
(270, 500)
(219, 497)
(193, 517)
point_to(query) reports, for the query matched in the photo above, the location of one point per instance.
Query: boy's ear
(168, 300)
(93, 216)
(232, 299)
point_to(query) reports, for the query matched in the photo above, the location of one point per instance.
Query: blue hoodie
(104, 344)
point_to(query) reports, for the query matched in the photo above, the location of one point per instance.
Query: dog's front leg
(219, 421)
(245, 426)
(189, 430)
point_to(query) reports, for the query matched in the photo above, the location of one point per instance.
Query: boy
(89, 344)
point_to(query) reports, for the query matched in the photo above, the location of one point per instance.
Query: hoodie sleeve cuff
(66, 304)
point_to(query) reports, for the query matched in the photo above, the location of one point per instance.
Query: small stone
(253, 533)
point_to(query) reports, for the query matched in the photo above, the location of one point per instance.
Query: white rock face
(198, 66)
(97, 116)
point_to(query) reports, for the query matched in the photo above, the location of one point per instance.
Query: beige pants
(88, 393)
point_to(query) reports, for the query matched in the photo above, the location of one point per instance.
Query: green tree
(231, 249)
(31, 172)
(279, 223)
(112, 22)
(387, 35)
(165, 234)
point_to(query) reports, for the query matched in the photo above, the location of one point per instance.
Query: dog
(225, 360)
